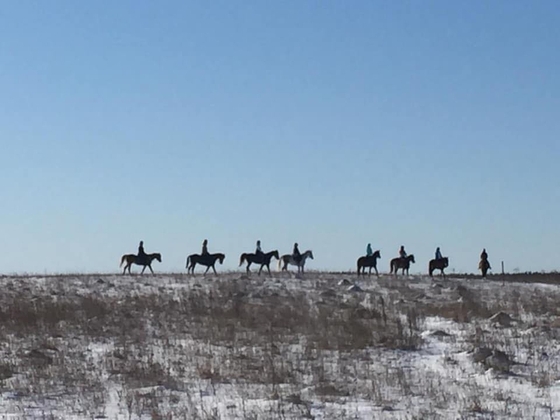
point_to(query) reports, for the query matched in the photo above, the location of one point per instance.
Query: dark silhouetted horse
(484, 266)
(209, 260)
(402, 263)
(145, 261)
(440, 264)
(289, 259)
(370, 262)
(263, 260)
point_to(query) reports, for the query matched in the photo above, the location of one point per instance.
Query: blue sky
(329, 123)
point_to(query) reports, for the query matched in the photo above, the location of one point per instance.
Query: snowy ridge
(321, 346)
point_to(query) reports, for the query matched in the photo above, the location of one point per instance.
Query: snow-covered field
(325, 346)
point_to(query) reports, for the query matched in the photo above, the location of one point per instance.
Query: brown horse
(263, 260)
(368, 261)
(439, 264)
(403, 263)
(145, 261)
(208, 260)
(484, 266)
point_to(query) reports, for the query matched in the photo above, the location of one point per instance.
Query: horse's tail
(122, 260)
(241, 259)
(188, 260)
(431, 267)
(280, 261)
(393, 263)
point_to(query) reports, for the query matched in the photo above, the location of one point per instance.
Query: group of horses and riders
(296, 258)
(403, 262)
(370, 261)
(209, 260)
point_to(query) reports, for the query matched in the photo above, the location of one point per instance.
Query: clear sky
(329, 123)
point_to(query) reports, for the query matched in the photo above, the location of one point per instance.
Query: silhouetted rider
(141, 254)
(296, 255)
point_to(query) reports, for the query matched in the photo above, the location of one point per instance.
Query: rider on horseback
(484, 257)
(438, 254)
(402, 252)
(296, 255)
(369, 251)
(205, 247)
(258, 251)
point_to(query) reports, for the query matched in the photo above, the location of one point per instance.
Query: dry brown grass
(154, 343)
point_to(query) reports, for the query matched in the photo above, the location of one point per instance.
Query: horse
(368, 261)
(145, 261)
(263, 260)
(484, 266)
(289, 259)
(438, 264)
(403, 263)
(207, 259)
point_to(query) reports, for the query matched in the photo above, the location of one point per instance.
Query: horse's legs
(150, 267)
(213, 268)
(376, 272)
(143, 268)
(207, 268)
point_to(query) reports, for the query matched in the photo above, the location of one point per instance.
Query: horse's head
(377, 254)
(157, 256)
(221, 258)
(411, 258)
(445, 261)
(308, 253)
(275, 254)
